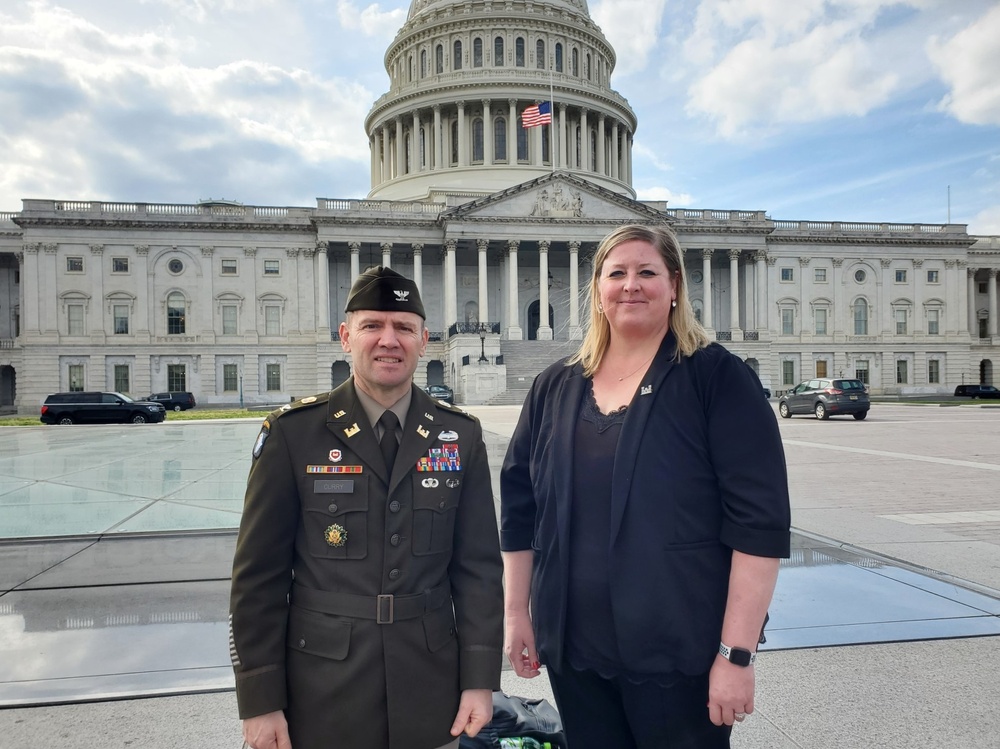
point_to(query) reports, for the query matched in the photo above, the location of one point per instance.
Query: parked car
(99, 408)
(767, 392)
(826, 397)
(174, 401)
(977, 391)
(441, 392)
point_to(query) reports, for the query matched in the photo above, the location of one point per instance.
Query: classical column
(535, 149)
(843, 315)
(627, 156)
(734, 290)
(415, 162)
(418, 266)
(323, 276)
(438, 140)
(991, 289)
(706, 274)
(376, 164)
(463, 146)
(963, 302)
(563, 158)
(601, 162)
(386, 154)
(355, 248)
(387, 254)
(544, 326)
(513, 323)
(29, 288)
(450, 284)
(953, 285)
(761, 259)
(488, 155)
(575, 331)
(584, 142)
(142, 310)
(400, 151)
(484, 301)
(971, 311)
(512, 132)
(615, 165)
(919, 282)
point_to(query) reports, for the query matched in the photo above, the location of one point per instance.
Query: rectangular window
(982, 288)
(861, 371)
(787, 322)
(273, 374)
(932, 276)
(176, 377)
(74, 318)
(902, 370)
(75, 373)
(119, 265)
(933, 326)
(900, 275)
(821, 368)
(934, 371)
(229, 267)
(820, 325)
(74, 265)
(120, 312)
(819, 275)
(900, 316)
(230, 378)
(787, 274)
(272, 267)
(229, 319)
(787, 373)
(272, 320)
(121, 378)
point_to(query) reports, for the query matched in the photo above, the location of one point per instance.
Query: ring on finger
(740, 716)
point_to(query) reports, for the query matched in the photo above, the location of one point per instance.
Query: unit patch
(335, 456)
(265, 430)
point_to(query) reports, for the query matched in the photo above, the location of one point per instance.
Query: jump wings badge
(336, 535)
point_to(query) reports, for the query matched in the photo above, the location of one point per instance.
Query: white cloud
(370, 20)
(986, 222)
(632, 27)
(658, 192)
(969, 63)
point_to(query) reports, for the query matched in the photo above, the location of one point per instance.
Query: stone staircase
(524, 361)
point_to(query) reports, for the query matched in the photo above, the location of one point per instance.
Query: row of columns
(388, 143)
(991, 295)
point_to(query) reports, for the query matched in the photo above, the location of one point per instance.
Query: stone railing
(213, 210)
(378, 206)
(712, 215)
(7, 217)
(473, 328)
(867, 227)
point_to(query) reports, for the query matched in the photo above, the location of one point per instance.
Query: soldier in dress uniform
(367, 604)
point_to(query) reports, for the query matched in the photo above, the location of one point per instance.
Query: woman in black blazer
(644, 507)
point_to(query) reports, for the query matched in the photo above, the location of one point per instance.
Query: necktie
(389, 444)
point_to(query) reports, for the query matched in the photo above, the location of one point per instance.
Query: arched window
(423, 63)
(545, 145)
(176, 313)
(578, 161)
(861, 317)
(522, 144)
(519, 52)
(593, 150)
(439, 59)
(406, 154)
(477, 53)
(540, 55)
(500, 139)
(559, 60)
(409, 69)
(454, 142)
(457, 61)
(423, 148)
(586, 67)
(477, 140)
(498, 51)
(575, 70)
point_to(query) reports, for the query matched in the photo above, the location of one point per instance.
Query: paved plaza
(116, 541)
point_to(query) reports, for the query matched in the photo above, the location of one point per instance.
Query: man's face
(385, 348)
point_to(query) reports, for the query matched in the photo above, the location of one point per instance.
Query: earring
(673, 303)
(600, 308)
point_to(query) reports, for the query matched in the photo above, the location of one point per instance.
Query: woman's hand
(519, 645)
(730, 692)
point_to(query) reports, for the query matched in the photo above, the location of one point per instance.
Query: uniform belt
(384, 609)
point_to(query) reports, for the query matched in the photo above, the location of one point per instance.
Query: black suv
(441, 392)
(826, 397)
(99, 408)
(174, 401)
(977, 391)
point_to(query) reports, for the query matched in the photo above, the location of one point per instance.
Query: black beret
(384, 290)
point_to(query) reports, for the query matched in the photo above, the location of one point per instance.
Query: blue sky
(849, 110)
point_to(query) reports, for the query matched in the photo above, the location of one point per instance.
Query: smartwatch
(737, 656)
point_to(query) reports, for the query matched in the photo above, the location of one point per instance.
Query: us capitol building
(497, 225)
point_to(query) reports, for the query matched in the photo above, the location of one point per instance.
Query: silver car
(826, 397)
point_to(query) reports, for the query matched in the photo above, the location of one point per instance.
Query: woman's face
(636, 289)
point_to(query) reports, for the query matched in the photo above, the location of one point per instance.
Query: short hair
(688, 332)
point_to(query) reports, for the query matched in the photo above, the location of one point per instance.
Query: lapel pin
(448, 436)
(352, 429)
(339, 414)
(646, 390)
(422, 432)
(429, 483)
(428, 417)
(335, 456)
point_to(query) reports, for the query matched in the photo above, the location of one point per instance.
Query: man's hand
(268, 731)
(475, 710)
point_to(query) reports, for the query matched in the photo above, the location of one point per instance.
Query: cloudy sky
(850, 110)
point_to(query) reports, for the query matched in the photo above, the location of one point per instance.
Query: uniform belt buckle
(384, 609)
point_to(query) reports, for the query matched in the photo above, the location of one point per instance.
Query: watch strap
(741, 655)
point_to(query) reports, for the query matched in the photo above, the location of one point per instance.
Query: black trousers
(599, 713)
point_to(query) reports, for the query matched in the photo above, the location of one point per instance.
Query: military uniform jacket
(363, 604)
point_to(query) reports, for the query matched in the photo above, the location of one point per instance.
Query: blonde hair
(688, 332)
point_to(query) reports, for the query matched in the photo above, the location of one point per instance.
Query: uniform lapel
(349, 423)
(419, 434)
(633, 431)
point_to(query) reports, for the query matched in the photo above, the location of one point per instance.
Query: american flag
(537, 114)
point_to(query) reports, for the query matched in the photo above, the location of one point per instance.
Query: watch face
(740, 657)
